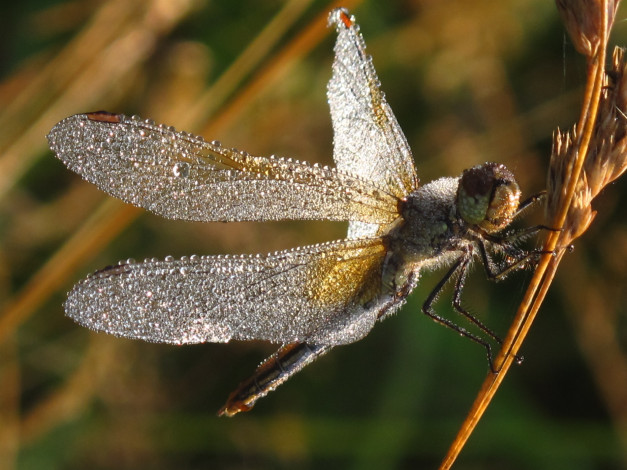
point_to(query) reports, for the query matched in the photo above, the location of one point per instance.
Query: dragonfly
(307, 299)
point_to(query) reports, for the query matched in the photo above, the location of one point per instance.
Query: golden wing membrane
(321, 294)
(181, 176)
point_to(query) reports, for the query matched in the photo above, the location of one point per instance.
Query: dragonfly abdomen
(271, 373)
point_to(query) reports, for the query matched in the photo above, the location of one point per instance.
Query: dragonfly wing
(322, 294)
(181, 176)
(367, 139)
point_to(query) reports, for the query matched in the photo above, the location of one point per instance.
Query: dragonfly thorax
(444, 219)
(428, 233)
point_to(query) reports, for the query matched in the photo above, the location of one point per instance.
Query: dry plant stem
(547, 266)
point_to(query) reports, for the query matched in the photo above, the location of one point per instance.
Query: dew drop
(181, 170)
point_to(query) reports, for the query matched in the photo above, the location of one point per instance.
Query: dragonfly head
(488, 197)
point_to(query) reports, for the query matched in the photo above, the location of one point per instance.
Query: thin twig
(595, 45)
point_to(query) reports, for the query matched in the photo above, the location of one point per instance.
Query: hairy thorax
(428, 234)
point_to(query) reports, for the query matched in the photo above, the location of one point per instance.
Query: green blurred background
(469, 80)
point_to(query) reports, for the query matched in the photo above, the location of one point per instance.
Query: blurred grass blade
(80, 76)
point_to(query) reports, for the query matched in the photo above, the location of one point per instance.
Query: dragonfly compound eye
(488, 196)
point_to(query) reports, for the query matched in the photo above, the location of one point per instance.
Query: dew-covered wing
(326, 294)
(367, 139)
(181, 176)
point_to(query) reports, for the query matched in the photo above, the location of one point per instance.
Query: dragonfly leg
(522, 258)
(529, 202)
(459, 286)
(459, 268)
(271, 373)
(457, 295)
